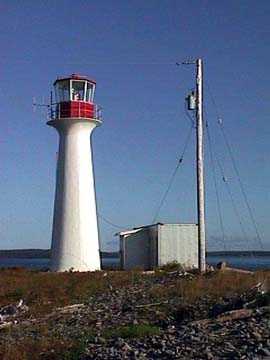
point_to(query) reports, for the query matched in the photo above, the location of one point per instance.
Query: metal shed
(155, 245)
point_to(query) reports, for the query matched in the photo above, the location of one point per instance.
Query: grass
(44, 348)
(214, 285)
(132, 331)
(48, 348)
(43, 291)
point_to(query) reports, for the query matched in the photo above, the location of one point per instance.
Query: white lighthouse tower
(75, 241)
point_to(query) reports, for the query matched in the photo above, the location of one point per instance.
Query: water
(250, 262)
(241, 262)
(29, 263)
(43, 263)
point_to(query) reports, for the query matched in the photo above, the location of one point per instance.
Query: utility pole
(195, 103)
(200, 167)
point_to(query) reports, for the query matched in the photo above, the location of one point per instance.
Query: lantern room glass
(77, 90)
(90, 92)
(62, 91)
(74, 90)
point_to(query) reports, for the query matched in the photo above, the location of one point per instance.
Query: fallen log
(150, 305)
(70, 308)
(235, 315)
(6, 325)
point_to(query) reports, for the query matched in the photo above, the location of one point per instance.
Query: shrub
(171, 266)
(132, 331)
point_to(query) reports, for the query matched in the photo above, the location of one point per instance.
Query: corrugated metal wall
(178, 242)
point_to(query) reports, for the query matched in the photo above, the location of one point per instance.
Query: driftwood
(240, 271)
(6, 325)
(234, 315)
(70, 308)
(12, 310)
(150, 305)
(223, 267)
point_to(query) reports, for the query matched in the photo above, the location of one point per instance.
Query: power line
(173, 175)
(235, 209)
(111, 223)
(225, 180)
(236, 169)
(241, 184)
(215, 184)
(124, 63)
(135, 63)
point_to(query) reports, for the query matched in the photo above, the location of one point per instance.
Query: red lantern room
(74, 97)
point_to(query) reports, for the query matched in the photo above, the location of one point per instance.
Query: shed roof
(137, 229)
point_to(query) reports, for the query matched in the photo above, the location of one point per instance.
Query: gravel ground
(232, 328)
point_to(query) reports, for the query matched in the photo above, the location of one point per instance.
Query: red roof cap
(77, 77)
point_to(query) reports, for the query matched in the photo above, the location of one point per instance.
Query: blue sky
(130, 48)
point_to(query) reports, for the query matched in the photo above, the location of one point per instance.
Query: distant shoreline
(42, 254)
(45, 253)
(238, 253)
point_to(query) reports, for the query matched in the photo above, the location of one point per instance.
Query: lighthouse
(75, 239)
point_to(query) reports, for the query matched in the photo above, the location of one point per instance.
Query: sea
(250, 262)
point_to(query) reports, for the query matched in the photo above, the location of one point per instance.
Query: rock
(209, 355)
(128, 348)
(8, 310)
(222, 265)
(256, 335)
(265, 352)
(13, 309)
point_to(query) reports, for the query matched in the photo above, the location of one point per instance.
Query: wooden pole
(200, 168)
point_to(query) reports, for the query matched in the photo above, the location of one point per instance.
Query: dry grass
(34, 349)
(214, 285)
(43, 291)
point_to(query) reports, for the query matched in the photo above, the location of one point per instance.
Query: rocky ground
(147, 319)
